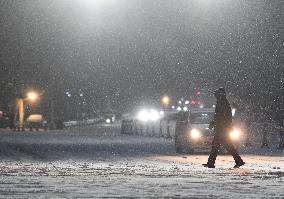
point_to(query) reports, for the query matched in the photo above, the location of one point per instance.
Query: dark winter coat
(223, 116)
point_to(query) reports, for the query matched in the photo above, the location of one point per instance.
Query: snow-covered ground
(96, 161)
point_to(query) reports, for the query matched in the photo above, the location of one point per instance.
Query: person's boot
(239, 164)
(209, 165)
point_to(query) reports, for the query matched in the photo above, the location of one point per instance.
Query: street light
(166, 100)
(32, 96)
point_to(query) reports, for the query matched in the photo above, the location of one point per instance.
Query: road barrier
(159, 128)
(82, 122)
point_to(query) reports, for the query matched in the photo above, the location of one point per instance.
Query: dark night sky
(133, 48)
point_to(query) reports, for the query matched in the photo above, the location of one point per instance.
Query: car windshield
(201, 118)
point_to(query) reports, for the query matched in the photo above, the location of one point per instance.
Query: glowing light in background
(143, 115)
(148, 115)
(166, 100)
(195, 133)
(153, 115)
(32, 96)
(235, 134)
(233, 112)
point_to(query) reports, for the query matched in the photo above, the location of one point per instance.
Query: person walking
(222, 124)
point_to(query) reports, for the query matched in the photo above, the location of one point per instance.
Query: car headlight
(154, 115)
(148, 115)
(195, 133)
(235, 134)
(143, 115)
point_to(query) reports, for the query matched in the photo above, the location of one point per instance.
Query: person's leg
(232, 150)
(214, 152)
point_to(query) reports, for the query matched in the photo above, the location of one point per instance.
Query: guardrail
(82, 122)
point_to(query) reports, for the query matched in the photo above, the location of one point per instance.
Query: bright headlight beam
(235, 134)
(143, 115)
(154, 115)
(195, 133)
(148, 115)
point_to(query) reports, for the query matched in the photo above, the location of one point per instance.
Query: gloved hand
(211, 125)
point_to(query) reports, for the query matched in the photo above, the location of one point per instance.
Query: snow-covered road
(98, 162)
